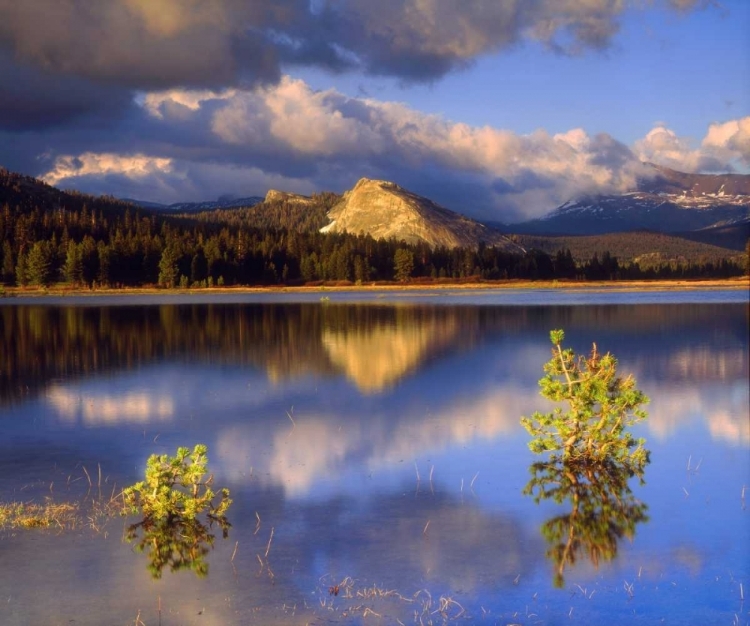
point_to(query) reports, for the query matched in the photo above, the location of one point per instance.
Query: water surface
(374, 443)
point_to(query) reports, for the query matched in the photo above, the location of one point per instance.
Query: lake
(373, 450)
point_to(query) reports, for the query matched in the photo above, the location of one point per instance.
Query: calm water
(374, 443)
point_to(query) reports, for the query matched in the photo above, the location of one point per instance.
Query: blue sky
(497, 108)
(685, 69)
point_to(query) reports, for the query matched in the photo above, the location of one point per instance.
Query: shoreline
(540, 285)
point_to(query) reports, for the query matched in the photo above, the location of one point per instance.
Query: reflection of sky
(333, 468)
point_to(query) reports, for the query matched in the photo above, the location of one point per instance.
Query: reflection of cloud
(97, 409)
(378, 356)
(734, 428)
(464, 547)
(723, 408)
(320, 447)
(704, 363)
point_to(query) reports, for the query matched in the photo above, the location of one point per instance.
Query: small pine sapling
(175, 487)
(601, 408)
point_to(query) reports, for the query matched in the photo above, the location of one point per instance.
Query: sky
(499, 109)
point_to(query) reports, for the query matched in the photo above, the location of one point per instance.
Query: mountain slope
(631, 246)
(384, 210)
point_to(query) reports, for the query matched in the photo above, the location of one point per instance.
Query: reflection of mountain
(378, 355)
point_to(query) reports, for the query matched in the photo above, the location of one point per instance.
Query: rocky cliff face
(274, 195)
(385, 210)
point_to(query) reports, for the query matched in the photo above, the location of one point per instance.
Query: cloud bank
(289, 136)
(174, 100)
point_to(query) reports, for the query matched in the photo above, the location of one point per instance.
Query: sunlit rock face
(274, 195)
(385, 210)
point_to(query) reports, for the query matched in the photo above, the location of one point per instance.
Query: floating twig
(471, 486)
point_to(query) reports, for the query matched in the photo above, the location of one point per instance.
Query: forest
(49, 236)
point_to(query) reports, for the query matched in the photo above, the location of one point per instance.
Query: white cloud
(102, 164)
(732, 136)
(165, 179)
(177, 100)
(724, 145)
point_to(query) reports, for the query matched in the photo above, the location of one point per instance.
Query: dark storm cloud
(147, 44)
(32, 98)
(63, 60)
(158, 44)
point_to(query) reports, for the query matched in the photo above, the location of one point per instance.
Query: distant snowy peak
(665, 200)
(609, 205)
(661, 212)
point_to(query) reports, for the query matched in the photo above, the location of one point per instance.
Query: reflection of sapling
(603, 510)
(601, 405)
(175, 487)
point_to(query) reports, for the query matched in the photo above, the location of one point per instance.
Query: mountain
(384, 210)
(196, 207)
(705, 207)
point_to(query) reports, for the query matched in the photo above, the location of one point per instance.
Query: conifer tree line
(85, 241)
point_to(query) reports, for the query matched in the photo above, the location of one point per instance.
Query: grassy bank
(322, 287)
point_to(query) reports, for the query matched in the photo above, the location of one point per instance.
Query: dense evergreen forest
(49, 236)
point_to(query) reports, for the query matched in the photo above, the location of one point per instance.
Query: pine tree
(403, 264)
(22, 274)
(39, 264)
(8, 269)
(168, 273)
(73, 264)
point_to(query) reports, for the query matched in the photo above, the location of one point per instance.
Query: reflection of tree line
(40, 343)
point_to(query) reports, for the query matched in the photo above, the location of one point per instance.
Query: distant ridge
(195, 207)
